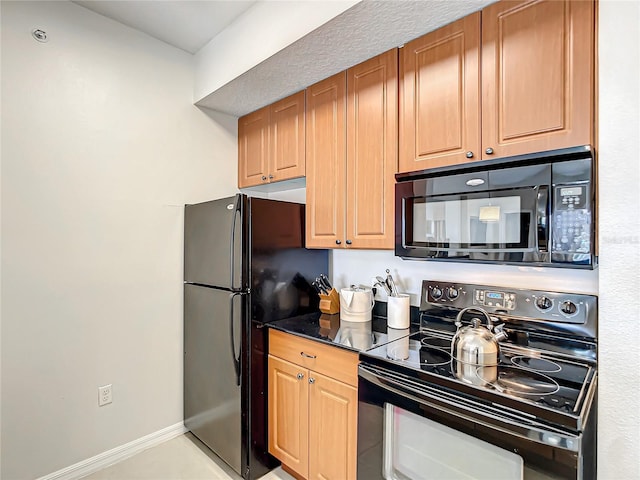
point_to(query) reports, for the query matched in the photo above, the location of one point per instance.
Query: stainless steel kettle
(475, 344)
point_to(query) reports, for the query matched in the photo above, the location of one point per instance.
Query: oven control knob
(544, 303)
(452, 293)
(436, 293)
(568, 307)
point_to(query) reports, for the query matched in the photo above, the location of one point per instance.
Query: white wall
(619, 222)
(101, 146)
(361, 266)
(260, 32)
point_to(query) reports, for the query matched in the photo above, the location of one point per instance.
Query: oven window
(495, 221)
(418, 448)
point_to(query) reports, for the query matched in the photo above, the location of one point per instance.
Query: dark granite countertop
(354, 336)
(329, 329)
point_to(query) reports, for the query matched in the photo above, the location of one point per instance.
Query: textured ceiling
(185, 24)
(365, 30)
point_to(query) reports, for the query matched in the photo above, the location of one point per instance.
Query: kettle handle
(475, 309)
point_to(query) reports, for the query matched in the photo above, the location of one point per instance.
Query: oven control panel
(527, 304)
(493, 298)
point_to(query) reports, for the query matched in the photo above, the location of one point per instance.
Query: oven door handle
(530, 431)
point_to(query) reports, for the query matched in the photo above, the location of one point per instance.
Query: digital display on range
(506, 300)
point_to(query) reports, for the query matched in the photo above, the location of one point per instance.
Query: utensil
(319, 287)
(382, 282)
(324, 280)
(392, 284)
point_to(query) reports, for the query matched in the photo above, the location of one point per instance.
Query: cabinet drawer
(331, 361)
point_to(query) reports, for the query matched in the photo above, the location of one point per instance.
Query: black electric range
(547, 364)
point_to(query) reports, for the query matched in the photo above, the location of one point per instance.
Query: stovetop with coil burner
(547, 365)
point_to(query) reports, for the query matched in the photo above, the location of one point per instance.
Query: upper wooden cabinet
(352, 136)
(536, 60)
(440, 97)
(253, 148)
(537, 76)
(326, 162)
(271, 144)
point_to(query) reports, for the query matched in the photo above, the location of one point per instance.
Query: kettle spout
(498, 332)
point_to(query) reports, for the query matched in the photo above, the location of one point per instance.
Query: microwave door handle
(542, 218)
(404, 223)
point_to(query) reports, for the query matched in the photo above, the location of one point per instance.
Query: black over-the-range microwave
(536, 209)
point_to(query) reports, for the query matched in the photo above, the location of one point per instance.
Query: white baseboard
(93, 464)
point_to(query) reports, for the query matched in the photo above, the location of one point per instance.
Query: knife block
(330, 303)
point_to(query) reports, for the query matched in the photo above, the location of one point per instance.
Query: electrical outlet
(104, 395)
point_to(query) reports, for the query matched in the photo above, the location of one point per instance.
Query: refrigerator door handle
(237, 208)
(236, 357)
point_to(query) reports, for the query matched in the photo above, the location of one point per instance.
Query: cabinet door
(333, 423)
(289, 414)
(372, 146)
(326, 136)
(439, 97)
(286, 159)
(253, 148)
(537, 74)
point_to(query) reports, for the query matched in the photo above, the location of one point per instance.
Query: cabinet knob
(469, 154)
(270, 177)
(300, 376)
(489, 151)
(338, 242)
(312, 380)
(348, 242)
(264, 177)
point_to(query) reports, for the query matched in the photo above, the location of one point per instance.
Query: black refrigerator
(244, 265)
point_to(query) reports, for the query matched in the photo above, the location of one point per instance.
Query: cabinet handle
(489, 151)
(469, 154)
(264, 177)
(270, 177)
(312, 380)
(338, 242)
(348, 242)
(307, 355)
(300, 376)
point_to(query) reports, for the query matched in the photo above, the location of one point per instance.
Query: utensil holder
(330, 303)
(398, 315)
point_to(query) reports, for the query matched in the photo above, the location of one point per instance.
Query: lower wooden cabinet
(312, 416)
(333, 425)
(289, 414)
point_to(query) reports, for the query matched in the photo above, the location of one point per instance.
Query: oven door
(497, 216)
(411, 430)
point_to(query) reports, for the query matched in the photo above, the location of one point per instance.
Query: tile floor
(181, 458)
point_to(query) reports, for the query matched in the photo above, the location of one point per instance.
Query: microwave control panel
(571, 231)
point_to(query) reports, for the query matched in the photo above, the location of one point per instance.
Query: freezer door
(212, 391)
(214, 243)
